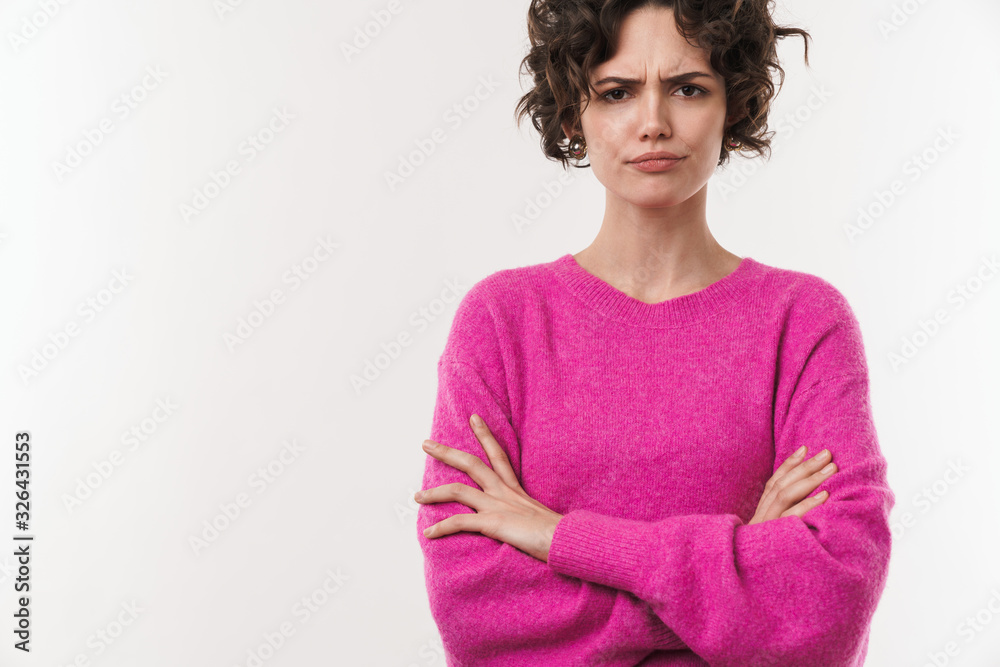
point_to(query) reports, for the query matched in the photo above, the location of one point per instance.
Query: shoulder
(817, 332)
(493, 308)
(511, 285)
(491, 321)
(805, 299)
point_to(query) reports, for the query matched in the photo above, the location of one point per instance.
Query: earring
(578, 147)
(733, 145)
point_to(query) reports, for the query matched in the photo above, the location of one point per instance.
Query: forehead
(648, 42)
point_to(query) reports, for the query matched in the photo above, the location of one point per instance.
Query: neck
(655, 254)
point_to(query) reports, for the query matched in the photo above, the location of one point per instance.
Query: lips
(657, 165)
(656, 155)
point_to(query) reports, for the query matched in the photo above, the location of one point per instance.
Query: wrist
(549, 535)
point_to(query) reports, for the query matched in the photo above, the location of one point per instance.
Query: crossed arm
(515, 580)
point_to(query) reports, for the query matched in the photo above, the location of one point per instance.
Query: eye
(608, 94)
(613, 95)
(696, 88)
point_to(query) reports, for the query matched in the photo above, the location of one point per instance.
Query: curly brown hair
(569, 38)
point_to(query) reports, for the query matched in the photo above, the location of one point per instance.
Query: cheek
(603, 139)
(606, 143)
(705, 141)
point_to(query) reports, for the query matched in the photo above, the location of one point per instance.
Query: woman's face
(640, 106)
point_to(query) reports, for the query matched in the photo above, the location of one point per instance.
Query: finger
(801, 508)
(799, 472)
(468, 463)
(783, 493)
(789, 463)
(498, 457)
(453, 524)
(795, 492)
(454, 492)
(797, 506)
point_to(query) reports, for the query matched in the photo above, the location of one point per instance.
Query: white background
(343, 504)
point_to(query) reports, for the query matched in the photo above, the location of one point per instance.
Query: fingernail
(828, 469)
(825, 454)
(428, 445)
(418, 495)
(800, 451)
(476, 421)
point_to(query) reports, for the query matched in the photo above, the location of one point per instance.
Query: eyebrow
(687, 76)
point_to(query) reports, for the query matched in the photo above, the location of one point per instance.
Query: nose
(654, 120)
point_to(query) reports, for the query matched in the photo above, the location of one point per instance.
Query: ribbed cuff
(600, 549)
(606, 551)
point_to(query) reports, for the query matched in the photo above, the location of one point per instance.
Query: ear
(569, 131)
(734, 118)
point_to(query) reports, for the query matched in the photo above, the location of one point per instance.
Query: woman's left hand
(503, 510)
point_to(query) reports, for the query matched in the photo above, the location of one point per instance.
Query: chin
(661, 197)
(657, 203)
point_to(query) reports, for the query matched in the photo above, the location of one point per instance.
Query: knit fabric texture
(653, 428)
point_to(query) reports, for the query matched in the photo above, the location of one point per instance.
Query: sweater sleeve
(789, 591)
(493, 604)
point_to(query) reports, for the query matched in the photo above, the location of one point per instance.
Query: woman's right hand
(790, 484)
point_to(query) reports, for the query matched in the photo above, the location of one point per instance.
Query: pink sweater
(653, 428)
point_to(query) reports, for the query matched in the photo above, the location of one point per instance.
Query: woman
(640, 490)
